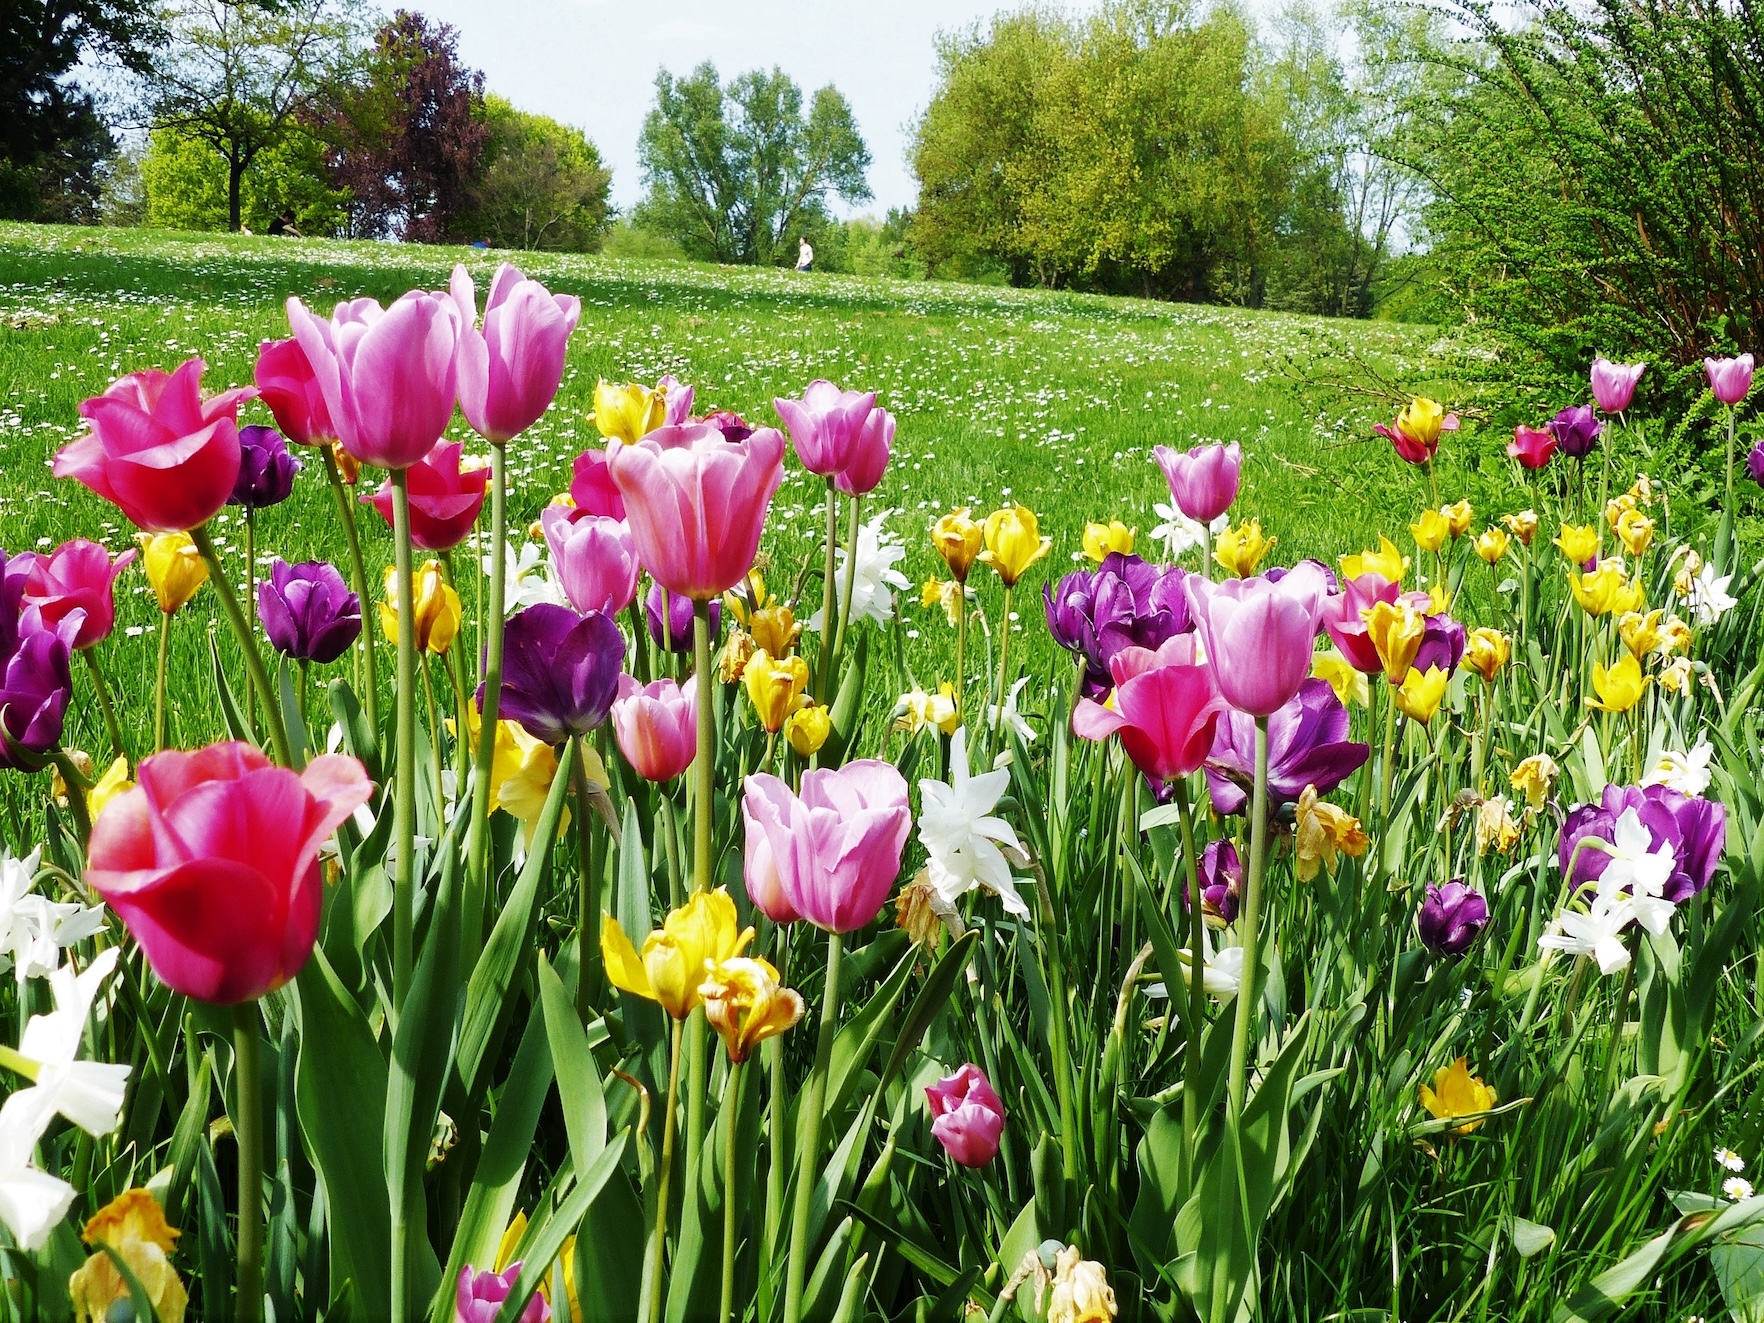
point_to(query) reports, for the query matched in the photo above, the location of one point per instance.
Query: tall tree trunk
(235, 177)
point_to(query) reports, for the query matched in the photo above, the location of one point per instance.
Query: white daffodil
(1687, 773)
(878, 552)
(88, 1093)
(32, 1202)
(959, 835)
(17, 876)
(34, 929)
(1221, 970)
(1709, 597)
(1009, 716)
(1597, 932)
(527, 578)
(1177, 531)
(1640, 870)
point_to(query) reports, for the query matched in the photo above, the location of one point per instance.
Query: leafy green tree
(184, 185)
(735, 174)
(542, 185)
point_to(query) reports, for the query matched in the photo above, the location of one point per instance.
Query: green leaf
(578, 1082)
(929, 1002)
(237, 727)
(359, 738)
(292, 717)
(547, 1232)
(186, 1138)
(1738, 1262)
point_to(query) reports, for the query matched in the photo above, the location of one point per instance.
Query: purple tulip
(1307, 746)
(1220, 878)
(1442, 645)
(731, 424)
(1576, 430)
(1694, 827)
(308, 611)
(1729, 378)
(1613, 384)
(266, 469)
(36, 678)
(676, 635)
(479, 1296)
(1755, 462)
(1122, 603)
(560, 671)
(1451, 918)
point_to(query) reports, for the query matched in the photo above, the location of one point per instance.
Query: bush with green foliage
(542, 184)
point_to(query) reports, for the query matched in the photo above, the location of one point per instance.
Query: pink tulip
(836, 849)
(1165, 708)
(1258, 634)
(592, 487)
(759, 870)
(212, 863)
(1729, 378)
(445, 499)
(696, 502)
(1613, 384)
(968, 1116)
(595, 559)
(157, 450)
(510, 370)
(656, 726)
(285, 382)
(1344, 617)
(479, 1293)
(77, 576)
(1204, 480)
(869, 456)
(1532, 446)
(678, 397)
(825, 425)
(388, 375)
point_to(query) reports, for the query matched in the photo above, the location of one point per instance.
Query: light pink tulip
(509, 371)
(679, 400)
(1258, 635)
(285, 382)
(1203, 480)
(388, 375)
(1165, 709)
(212, 863)
(77, 576)
(968, 1116)
(696, 503)
(1613, 384)
(656, 726)
(594, 557)
(869, 455)
(1729, 378)
(836, 848)
(759, 870)
(825, 425)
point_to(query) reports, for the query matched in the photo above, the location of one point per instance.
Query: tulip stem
(1247, 992)
(165, 620)
(404, 804)
(104, 701)
(248, 1132)
(77, 787)
(829, 571)
(435, 754)
(251, 604)
(731, 1114)
(1004, 658)
(809, 1123)
(478, 836)
(247, 642)
(704, 764)
(776, 1109)
(663, 1172)
(1387, 767)
(588, 893)
(1197, 993)
(850, 583)
(639, 641)
(961, 669)
(358, 573)
(1056, 973)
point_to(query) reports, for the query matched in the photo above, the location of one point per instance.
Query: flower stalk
(1247, 992)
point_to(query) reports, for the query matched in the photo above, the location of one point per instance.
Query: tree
(183, 187)
(542, 184)
(734, 173)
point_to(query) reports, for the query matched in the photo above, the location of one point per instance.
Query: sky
(592, 63)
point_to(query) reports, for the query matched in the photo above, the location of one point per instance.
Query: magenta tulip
(388, 375)
(869, 456)
(968, 1116)
(212, 863)
(157, 450)
(285, 382)
(77, 576)
(1344, 617)
(825, 425)
(1258, 634)
(479, 1293)
(445, 498)
(1532, 446)
(1729, 378)
(593, 556)
(592, 487)
(1165, 709)
(509, 371)
(1203, 480)
(836, 848)
(656, 726)
(696, 502)
(1613, 384)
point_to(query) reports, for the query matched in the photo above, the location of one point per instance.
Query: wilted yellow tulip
(1396, 630)
(1619, 688)
(1456, 1092)
(1430, 530)
(1320, 830)
(1419, 696)
(1486, 651)
(919, 709)
(957, 539)
(1101, 539)
(1458, 516)
(1013, 542)
(175, 569)
(627, 412)
(1535, 778)
(775, 629)
(948, 594)
(774, 687)
(1579, 543)
(732, 659)
(1675, 676)
(1604, 590)
(1675, 636)
(1617, 506)
(436, 605)
(1240, 550)
(807, 729)
(1387, 562)
(1636, 531)
(745, 1004)
(134, 1227)
(670, 969)
(1495, 828)
(1522, 525)
(1081, 1292)
(1350, 686)
(1491, 544)
(1684, 583)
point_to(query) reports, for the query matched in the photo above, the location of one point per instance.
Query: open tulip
(1532, 446)
(592, 489)
(1606, 590)
(509, 371)
(1242, 549)
(1348, 682)
(77, 576)
(1576, 430)
(560, 671)
(628, 412)
(1692, 829)
(479, 1294)
(157, 450)
(967, 1116)
(1729, 378)
(1122, 603)
(1387, 562)
(1258, 634)
(308, 612)
(1618, 687)
(1456, 1092)
(1442, 644)
(445, 497)
(1013, 542)
(1415, 433)
(825, 425)
(1578, 542)
(211, 861)
(436, 606)
(656, 726)
(174, 568)
(746, 1004)
(1203, 480)
(593, 557)
(1344, 617)
(285, 382)
(869, 455)
(1491, 544)
(1613, 384)
(957, 539)
(1419, 695)
(670, 969)
(1101, 540)
(1165, 708)
(266, 469)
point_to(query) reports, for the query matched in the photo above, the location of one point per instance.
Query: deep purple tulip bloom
(1123, 603)
(560, 671)
(308, 611)
(731, 424)
(36, 678)
(1694, 827)
(1308, 745)
(1576, 430)
(1755, 462)
(1451, 918)
(1220, 878)
(1442, 645)
(266, 469)
(676, 635)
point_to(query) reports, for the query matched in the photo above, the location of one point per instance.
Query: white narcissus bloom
(1598, 932)
(1008, 714)
(959, 835)
(1221, 971)
(88, 1093)
(527, 578)
(1179, 533)
(1641, 871)
(1687, 773)
(1709, 597)
(32, 1202)
(33, 928)
(878, 552)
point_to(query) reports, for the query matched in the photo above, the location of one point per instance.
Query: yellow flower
(1430, 530)
(950, 595)
(1495, 827)
(1636, 531)
(1579, 543)
(1458, 516)
(1419, 696)
(1320, 831)
(1396, 630)
(437, 608)
(174, 567)
(1101, 539)
(1617, 506)
(522, 769)
(1081, 1291)
(1675, 676)
(1386, 562)
(1421, 421)
(774, 687)
(1350, 685)
(748, 596)
(1491, 544)
(1456, 1092)
(1643, 488)
(114, 782)
(1604, 590)
(627, 412)
(348, 466)
(1684, 583)
(1535, 778)
(732, 659)
(1619, 688)
(133, 1225)
(775, 629)
(562, 1272)
(1675, 636)
(1641, 634)
(920, 709)
(807, 729)
(915, 911)
(1486, 651)
(1239, 550)
(745, 1004)
(1522, 525)
(957, 539)
(1013, 542)
(704, 931)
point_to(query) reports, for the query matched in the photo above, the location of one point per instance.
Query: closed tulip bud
(775, 629)
(1396, 630)
(1458, 516)
(957, 539)
(1430, 530)
(1451, 918)
(670, 970)
(1491, 544)
(1486, 651)
(1387, 562)
(774, 686)
(1579, 543)
(1420, 694)
(1635, 530)
(627, 412)
(266, 469)
(285, 382)
(745, 1003)
(1613, 384)
(967, 1116)
(1259, 634)
(174, 567)
(308, 612)
(1729, 378)
(1576, 430)
(1240, 550)
(826, 425)
(437, 609)
(1620, 687)
(807, 729)
(593, 557)
(1013, 542)
(1522, 525)
(1204, 480)
(1101, 539)
(656, 726)
(869, 455)
(1415, 433)
(510, 369)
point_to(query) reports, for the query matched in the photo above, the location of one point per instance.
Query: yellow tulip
(1430, 530)
(1419, 696)
(1081, 1292)
(957, 539)
(1350, 686)
(747, 597)
(1495, 828)
(1387, 562)
(1579, 543)
(1619, 688)
(948, 594)
(1636, 531)
(1522, 525)
(1013, 542)
(175, 569)
(627, 412)
(1458, 516)
(1640, 633)
(919, 709)
(807, 729)
(1675, 677)
(670, 969)
(1240, 550)
(114, 782)
(745, 1003)
(1618, 506)
(1456, 1092)
(348, 466)
(1604, 590)
(1101, 539)
(1486, 651)
(1421, 421)
(1491, 544)
(1396, 630)
(1320, 831)
(775, 629)
(133, 1226)
(732, 658)
(1535, 778)
(774, 687)
(522, 769)
(1675, 635)
(436, 604)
